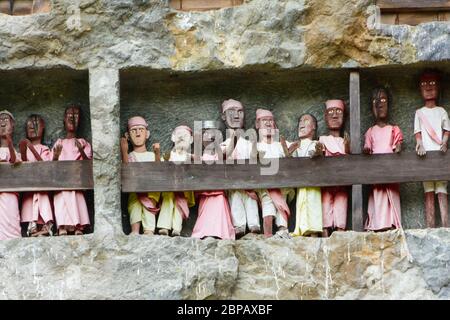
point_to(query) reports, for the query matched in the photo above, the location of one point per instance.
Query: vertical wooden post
(355, 148)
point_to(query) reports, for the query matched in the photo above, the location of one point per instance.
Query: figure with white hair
(274, 202)
(175, 205)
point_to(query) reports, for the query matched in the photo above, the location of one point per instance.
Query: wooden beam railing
(293, 172)
(413, 5)
(46, 176)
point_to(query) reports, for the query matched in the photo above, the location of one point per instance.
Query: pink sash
(426, 124)
(280, 203)
(182, 204)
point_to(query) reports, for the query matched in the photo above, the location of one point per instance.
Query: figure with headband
(384, 210)
(243, 203)
(142, 207)
(175, 205)
(36, 206)
(431, 130)
(9, 201)
(274, 202)
(334, 199)
(71, 213)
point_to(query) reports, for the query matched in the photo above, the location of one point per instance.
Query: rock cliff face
(349, 265)
(115, 44)
(284, 34)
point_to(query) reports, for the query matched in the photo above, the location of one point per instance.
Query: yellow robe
(308, 217)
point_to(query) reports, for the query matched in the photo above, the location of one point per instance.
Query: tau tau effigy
(214, 214)
(142, 207)
(36, 206)
(175, 205)
(432, 130)
(308, 219)
(71, 213)
(274, 202)
(334, 199)
(244, 203)
(384, 210)
(9, 201)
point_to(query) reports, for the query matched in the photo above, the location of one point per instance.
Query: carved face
(209, 136)
(72, 119)
(35, 127)
(334, 117)
(429, 87)
(138, 135)
(234, 117)
(306, 127)
(6, 125)
(380, 105)
(266, 126)
(182, 139)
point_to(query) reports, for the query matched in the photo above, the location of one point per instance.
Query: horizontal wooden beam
(413, 5)
(46, 176)
(293, 172)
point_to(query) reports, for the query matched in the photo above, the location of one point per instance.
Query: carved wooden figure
(71, 213)
(308, 219)
(36, 206)
(273, 201)
(175, 205)
(384, 211)
(244, 203)
(431, 130)
(334, 199)
(214, 214)
(142, 207)
(9, 201)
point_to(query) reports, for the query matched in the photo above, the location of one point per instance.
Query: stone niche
(403, 82)
(47, 93)
(167, 100)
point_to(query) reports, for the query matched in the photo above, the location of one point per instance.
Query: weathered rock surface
(349, 265)
(284, 33)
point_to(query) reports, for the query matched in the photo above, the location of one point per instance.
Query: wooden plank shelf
(413, 5)
(46, 176)
(293, 172)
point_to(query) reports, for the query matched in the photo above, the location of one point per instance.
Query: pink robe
(9, 207)
(384, 209)
(70, 206)
(37, 206)
(334, 199)
(214, 214)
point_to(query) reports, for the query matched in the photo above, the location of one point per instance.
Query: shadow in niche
(47, 93)
(167, 100)
(403, 83)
